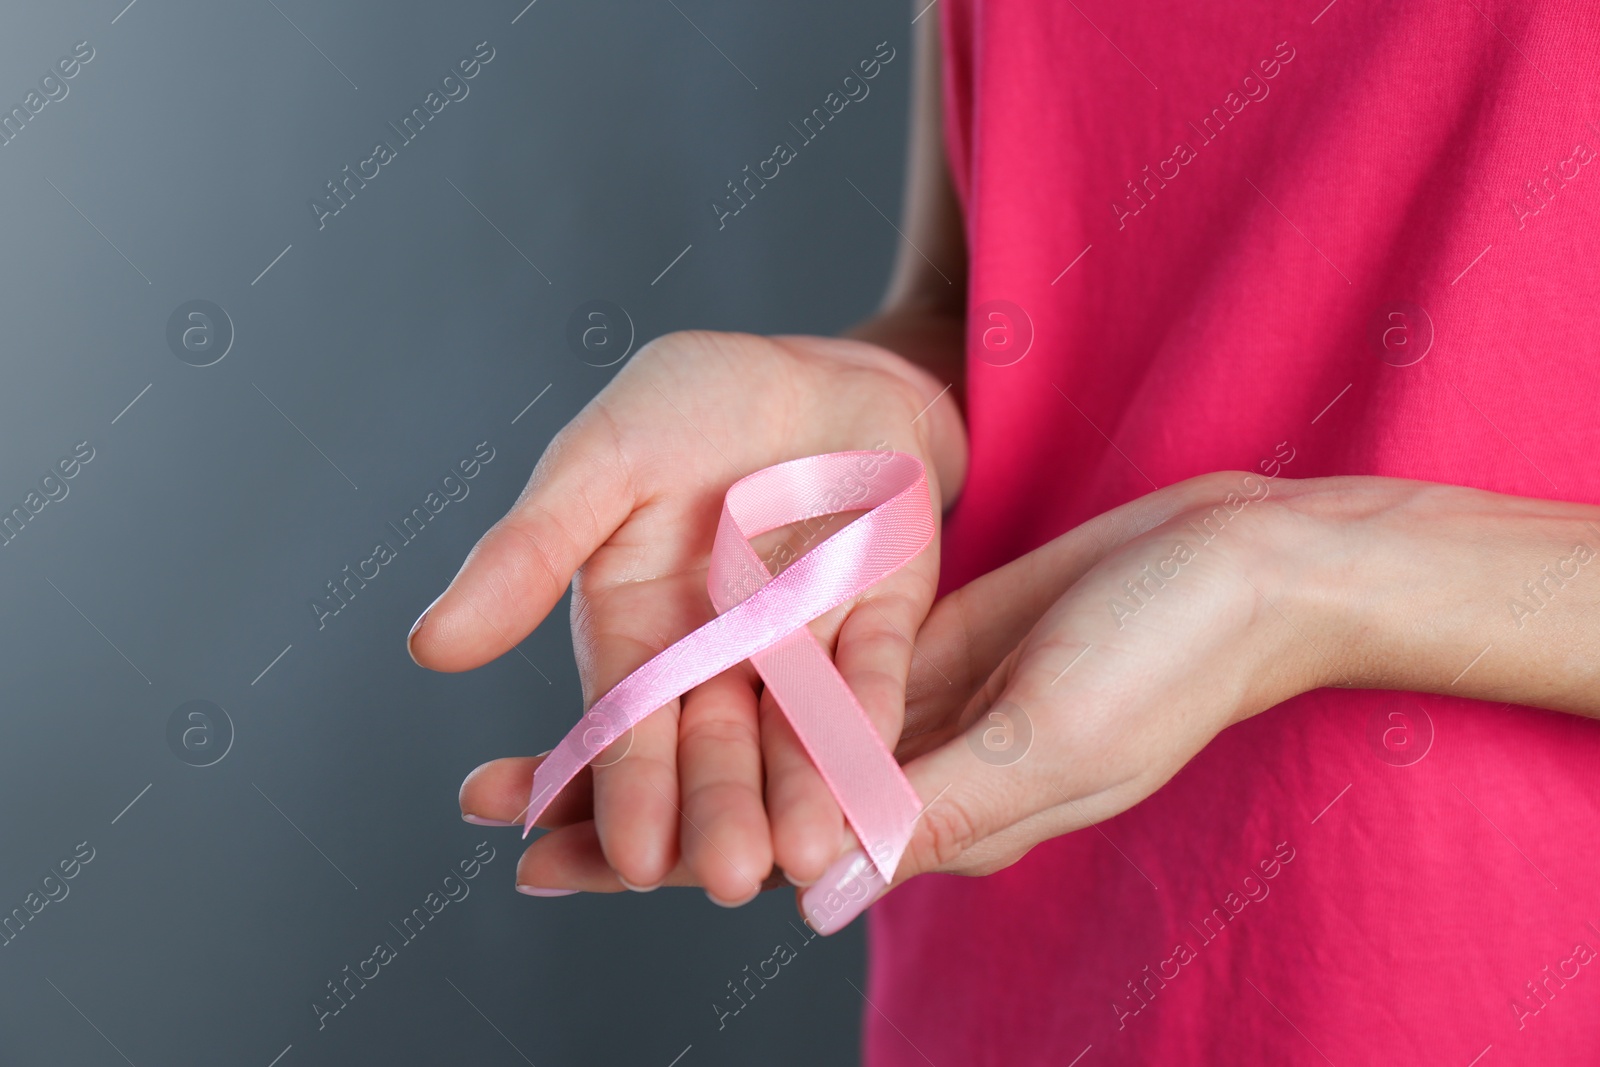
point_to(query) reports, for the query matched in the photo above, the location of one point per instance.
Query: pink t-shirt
(1305, 241)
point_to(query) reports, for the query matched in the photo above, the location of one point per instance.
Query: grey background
(408, 330)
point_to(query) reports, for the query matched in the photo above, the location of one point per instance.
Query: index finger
(579, 494)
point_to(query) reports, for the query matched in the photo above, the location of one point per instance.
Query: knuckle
(948, 830)
(1047, 661)
(674, 339)
(992, 863)
(719, 732)
(535, 567)
(657, 347)
(534, 549)
(697, 342)
(875, 683)
(869, 646)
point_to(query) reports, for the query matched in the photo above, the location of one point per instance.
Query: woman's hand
(624, 504)
(1088, 672)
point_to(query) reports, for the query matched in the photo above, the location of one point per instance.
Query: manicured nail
(478, 820)
(540, 891)
(843, 892)
(638, 888)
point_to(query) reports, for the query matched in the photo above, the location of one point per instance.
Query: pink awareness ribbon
(764, 619)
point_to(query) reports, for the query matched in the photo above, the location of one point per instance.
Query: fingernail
(732, 903)
(540, 891)
(478, 820)
(411, 638)
(843, 892)
(638, 888)
(787, 877)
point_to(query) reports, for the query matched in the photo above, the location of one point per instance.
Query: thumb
(979, 793)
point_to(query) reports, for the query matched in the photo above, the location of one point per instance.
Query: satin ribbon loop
(763, 618)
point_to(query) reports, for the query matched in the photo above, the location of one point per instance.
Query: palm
(629, 496)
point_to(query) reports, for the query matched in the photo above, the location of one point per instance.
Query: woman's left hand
(1065, 687)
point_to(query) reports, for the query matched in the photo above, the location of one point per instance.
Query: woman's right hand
(624, 504)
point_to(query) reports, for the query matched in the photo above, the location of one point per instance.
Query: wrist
(1301, 604)
(1323, 558)
(929, 338)
(940, 423)
(928, 347)
(1425, 587)
(934, 419)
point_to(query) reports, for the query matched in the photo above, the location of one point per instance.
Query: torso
(1313, 250)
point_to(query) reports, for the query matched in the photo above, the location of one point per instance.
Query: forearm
(923, 316)
(1441, 589)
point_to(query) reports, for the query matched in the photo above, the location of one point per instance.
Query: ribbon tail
(873, 792)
